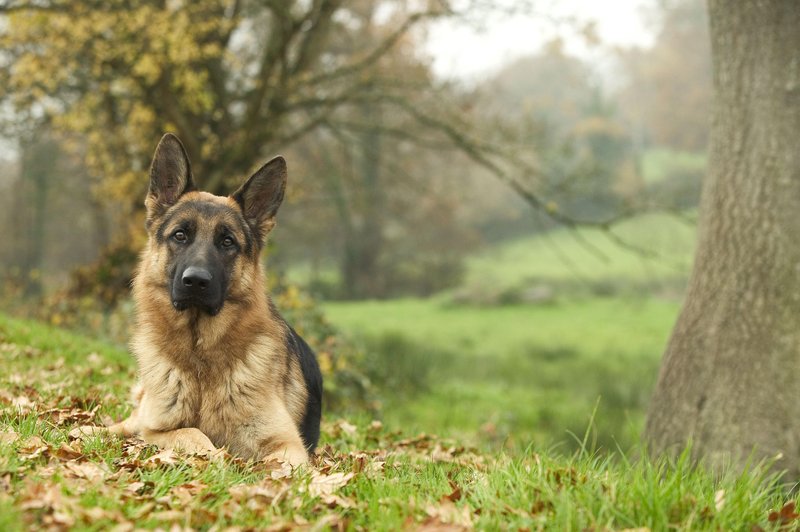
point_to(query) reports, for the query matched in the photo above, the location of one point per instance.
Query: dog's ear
(261, 195)
(170, 176)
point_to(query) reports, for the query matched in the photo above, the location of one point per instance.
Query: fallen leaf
(86, 470)
(278, 469)
(165, 457)
(69, 416)
(143, 511)
(264, 493)
(59, 520)
(41, 495)
(8, 436)
(167, 515)
(541, 506)
(137, 488)
(5, 483)
(322, 484)
(67, 452)
(33, 448)
(455, 493)
(335, 501)
(785, 515)
(186, 493)
(23, 404)
(96, 513)
(421, 441)
(434, 524)
(449, 513)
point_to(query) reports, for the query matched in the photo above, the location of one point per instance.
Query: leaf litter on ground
(364, 476)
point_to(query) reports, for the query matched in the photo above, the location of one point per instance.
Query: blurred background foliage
(484, 257)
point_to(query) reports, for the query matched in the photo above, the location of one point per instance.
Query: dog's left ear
(261, 195)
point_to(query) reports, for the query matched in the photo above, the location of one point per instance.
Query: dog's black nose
(196, 278)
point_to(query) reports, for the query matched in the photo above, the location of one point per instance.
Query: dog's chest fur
(228, 394)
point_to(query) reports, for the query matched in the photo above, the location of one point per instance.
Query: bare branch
(315, 28)
(379, 51)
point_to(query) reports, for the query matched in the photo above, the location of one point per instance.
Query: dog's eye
(180, 235)
(228, 242)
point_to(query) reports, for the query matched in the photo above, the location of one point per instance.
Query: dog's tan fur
(208, 382)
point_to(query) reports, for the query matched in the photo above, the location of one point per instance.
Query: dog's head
(205, 243)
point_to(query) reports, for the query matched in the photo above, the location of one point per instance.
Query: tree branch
(379, 51)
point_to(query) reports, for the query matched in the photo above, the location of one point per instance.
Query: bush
(679, 190)
(347, 386)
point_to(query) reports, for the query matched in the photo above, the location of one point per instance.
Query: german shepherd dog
(218, 366)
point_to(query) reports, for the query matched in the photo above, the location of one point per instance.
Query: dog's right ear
(170, 177)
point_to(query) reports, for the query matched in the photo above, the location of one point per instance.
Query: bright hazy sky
(461, 51)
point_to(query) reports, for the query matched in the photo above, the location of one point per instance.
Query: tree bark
(729, 377)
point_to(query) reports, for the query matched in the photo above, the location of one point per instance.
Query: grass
(506, 376)
(661, 163)
(366, 475)
(590, 256)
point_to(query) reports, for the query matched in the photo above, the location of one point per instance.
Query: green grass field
(508, 375)
(514, 374)
(494, 416)
(590, 256)
(658, 164)
(366, 476)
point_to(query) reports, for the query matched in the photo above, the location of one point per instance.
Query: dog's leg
(291, 451)
(190, 439)
(280, 439)
(125, 428)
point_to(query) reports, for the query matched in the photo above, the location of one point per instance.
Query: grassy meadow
(516, 374)
(481, 364)
(498, 413)
(368, 475)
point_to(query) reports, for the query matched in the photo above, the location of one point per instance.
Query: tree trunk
(729, 378)
(363, 241)
(39, 163)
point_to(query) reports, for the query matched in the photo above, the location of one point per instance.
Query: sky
(461, 51)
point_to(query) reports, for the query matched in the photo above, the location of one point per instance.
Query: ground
(536, 406)
(366, 475)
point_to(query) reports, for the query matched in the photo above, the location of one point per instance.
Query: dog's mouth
(184, 304)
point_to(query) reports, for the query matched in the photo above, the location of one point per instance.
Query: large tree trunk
(729, 380)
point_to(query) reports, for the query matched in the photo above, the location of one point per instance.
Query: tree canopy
(234, 79)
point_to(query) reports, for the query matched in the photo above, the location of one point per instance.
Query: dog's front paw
(87, 431)
(192, 440)
(293, 455)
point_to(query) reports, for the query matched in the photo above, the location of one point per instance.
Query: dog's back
(309, 426)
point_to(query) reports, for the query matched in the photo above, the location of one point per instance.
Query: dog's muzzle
(197, 287)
